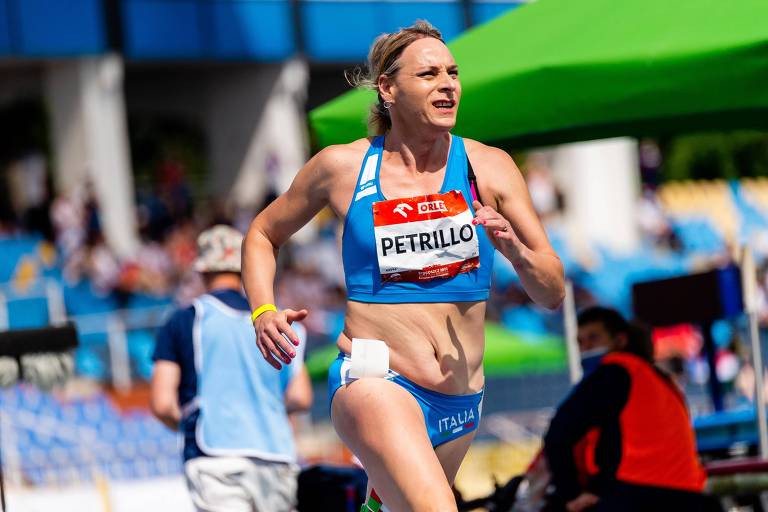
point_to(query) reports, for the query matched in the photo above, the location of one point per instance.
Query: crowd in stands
(677, 238)
(159, 267)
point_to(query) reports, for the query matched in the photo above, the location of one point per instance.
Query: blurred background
(128, 126)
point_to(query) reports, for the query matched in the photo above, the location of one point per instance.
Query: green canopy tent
(561, 70)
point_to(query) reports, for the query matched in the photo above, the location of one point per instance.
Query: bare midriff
(438, 345)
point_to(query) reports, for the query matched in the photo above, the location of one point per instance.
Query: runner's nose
(447, 82)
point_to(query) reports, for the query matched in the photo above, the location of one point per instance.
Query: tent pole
(757, 362)
(571, 343)
(748, 287)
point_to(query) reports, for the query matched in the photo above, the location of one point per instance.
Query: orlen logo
(401, 209)
(432, 206)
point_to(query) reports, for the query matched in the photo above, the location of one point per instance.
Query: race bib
(425, 237)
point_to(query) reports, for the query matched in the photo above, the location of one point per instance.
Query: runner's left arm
(268, 231)
(514, 227)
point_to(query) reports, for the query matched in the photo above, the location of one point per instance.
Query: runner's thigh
(452, 453)
(384, 426)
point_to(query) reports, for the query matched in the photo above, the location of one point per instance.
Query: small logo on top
(401, 209)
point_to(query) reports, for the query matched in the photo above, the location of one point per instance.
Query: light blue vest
(239, 395)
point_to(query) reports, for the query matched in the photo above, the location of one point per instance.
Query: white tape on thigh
(370, 358)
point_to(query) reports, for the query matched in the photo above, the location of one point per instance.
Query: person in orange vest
(622, 439)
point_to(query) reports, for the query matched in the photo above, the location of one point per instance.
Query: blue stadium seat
(697, 235)
(753, 219)
(141, 344)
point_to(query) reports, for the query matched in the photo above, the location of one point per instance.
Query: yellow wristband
(262, 309)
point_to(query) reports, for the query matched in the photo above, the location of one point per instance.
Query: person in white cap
(211, 383)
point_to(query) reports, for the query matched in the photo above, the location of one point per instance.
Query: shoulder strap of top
(460, 158)
(366, 180)
(472, 181)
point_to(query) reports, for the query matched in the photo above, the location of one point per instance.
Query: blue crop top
(359, 247)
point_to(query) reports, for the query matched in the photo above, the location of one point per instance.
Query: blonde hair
(384, 59)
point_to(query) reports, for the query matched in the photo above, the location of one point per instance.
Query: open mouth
(444, 104)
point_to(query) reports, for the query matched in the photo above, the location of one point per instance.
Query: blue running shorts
(447, 417)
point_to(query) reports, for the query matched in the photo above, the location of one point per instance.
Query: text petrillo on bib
(425, 237)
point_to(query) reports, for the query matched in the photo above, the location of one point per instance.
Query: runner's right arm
(307, 195)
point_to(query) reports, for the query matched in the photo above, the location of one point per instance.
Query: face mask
(590, 359)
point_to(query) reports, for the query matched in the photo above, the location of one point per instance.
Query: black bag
(331, 489)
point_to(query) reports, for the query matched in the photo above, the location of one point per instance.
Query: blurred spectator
(156, 268)
(653, 222)
(96, 262)
(650, 160)
(68, 219)
(173, 189)
(547, 198)
(85, 253)
(91, 212)
(745, 382)
(303, 287)
(622, 439)
(181, 248)
(322, 255)
(231, 405)
(29, 194)
(180, 244)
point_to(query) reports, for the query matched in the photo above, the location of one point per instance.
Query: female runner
(417, 253)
